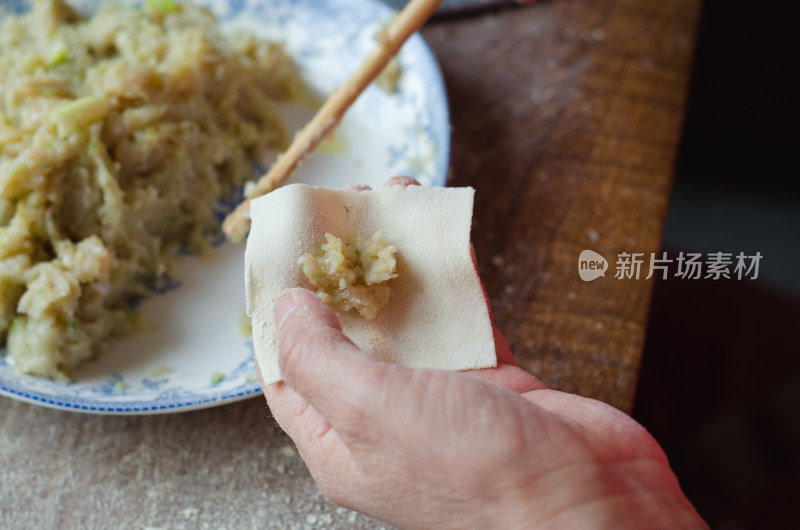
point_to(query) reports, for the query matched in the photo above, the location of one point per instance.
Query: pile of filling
(352, 276)
(119, 136)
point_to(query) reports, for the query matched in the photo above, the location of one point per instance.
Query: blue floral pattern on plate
(189, 364)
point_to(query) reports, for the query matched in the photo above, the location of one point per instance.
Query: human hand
(484, 449)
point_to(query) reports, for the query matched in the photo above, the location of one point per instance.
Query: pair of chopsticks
(389, 42)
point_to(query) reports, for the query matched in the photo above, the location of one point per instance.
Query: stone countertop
(566, 117)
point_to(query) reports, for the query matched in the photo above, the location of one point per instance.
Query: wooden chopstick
(389, 42)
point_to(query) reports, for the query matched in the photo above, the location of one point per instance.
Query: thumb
(320, 363)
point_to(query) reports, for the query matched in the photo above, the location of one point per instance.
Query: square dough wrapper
(438, 316)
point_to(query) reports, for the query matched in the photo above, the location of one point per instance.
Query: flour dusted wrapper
(438, 316)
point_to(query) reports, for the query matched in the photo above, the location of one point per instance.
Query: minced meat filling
(119, 134)
(352, 276)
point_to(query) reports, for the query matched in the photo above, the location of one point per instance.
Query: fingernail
(285, 306)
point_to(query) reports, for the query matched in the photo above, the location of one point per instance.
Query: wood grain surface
(565, 118)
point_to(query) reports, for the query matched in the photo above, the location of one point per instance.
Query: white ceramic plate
(197, 356)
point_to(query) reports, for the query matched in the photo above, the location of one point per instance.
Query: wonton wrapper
(437, 317)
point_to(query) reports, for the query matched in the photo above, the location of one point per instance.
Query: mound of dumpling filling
(120, 134)
(352, 275)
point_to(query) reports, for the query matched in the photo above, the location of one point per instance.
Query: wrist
(635, 495)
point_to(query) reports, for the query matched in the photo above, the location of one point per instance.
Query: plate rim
(102, 408)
